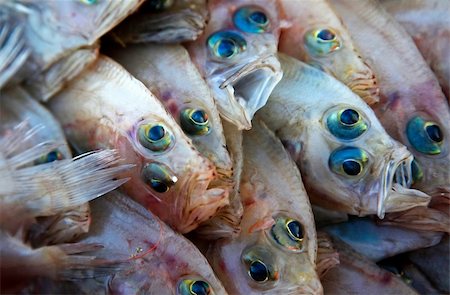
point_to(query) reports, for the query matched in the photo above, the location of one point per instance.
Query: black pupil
(155, 5)
(200, 288)
(351, 167)
(52, 156)
(156, 133)
(258, 271)
(295, 229)
(258, 17)
(199, 116)
(226, 47)
(326, 35)
(158, 186)
(349, 117)
(434, 132)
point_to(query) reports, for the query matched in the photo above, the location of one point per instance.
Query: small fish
(107, 107)
(63, 26)
(275, 252)
(378, 242)
(348, 161)
(164, 21)
(412, 108)
(237, 56)
(356, 273)
(317, 36)
(167, 71)
(155, 259)
(428, 24)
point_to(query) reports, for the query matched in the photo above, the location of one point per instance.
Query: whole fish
(156, 260)
(237, 56)
(317, 36)
(427, 22)
(164, 21)
(107, 107)
(187, 97)
(412, 108)
(275, 252)
(53, 29)
(347, 160)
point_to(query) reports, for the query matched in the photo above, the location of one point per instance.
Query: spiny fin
(327, 256)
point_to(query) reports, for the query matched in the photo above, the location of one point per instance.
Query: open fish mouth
(395, 193)
(249, 88)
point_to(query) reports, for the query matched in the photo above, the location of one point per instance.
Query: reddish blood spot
(386, 278)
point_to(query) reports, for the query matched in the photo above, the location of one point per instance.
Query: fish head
(270, 256)
(171, 178)
(237, 56)
(165, 21)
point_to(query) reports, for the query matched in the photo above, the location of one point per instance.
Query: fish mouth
(395, 193)
(171, 27)
(249, 88)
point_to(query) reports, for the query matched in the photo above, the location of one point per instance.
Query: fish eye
(159, 177)
(194, 287)
(251, 19)
(89, 2)
(157, 5)
(259, 264)
(288, 233)
(194, 122)
(425, 136)
(348, 161)
(346, 124)
(226, 44)
(154, 137)
(50, 157)
(321, 41)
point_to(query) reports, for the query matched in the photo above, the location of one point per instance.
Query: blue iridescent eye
(288, 233)
(321, 41)
(346, 124)
(226, 44)
(159, 177)
(259, 264)
(89, 2)
(154, 137)
(425, 136)
(194, 287)
(348, 161)
(50, 157)
(194, 122)
(251, 19)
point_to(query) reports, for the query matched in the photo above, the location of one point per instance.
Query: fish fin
(225, 224)
(327, 256)
(50, 188)
(13, 49)
(45, 84)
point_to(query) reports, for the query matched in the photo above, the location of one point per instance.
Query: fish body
(429, 25)
(412, 107)
(276, 249)
(316, 36)
(107, 107)
(236, 55)
(347, 159)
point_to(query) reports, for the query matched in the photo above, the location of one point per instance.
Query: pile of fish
(224, 147)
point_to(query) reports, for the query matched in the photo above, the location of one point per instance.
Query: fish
(347, 160)
(412, 107)
(275, 252)
(154, 259)
(63, 27)
(428, 24)
(236, 55)
(316, 36)
(190, 103)
(108, 107)
(377, 241)
(164, 21)
(355, 273)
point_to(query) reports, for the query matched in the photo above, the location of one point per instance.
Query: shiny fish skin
(111, 107)
(180, 21)
(428, 24)
(342, 61)
(241, 83)
(266, 199)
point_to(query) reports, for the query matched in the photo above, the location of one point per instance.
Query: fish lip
(396, 180)
(264, 74)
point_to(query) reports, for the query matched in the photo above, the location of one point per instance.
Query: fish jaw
(246, 90)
